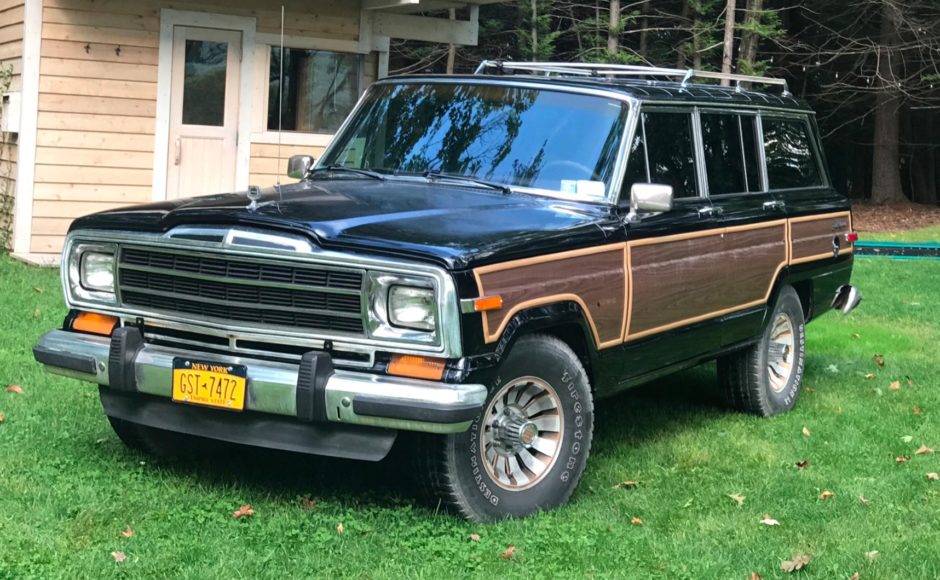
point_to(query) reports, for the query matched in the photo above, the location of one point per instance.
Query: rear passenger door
(754, 217)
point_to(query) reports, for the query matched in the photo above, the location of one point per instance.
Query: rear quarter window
(792, 161)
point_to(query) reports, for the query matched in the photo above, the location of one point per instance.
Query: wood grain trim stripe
(493, 336)
(812, 218)
(782, 222)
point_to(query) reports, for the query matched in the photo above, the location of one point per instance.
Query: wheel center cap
(513, 432)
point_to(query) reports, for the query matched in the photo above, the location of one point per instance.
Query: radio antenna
(280, 106)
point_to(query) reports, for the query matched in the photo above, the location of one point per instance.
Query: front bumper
(311, 392)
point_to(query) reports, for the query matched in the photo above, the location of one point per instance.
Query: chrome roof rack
(582, 69)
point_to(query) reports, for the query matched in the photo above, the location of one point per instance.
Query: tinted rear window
(731, 161)
(791, 159)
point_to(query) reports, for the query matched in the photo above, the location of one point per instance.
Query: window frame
(260, 133)
(697, 149)
(759, 142)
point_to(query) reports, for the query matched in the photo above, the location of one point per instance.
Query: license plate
(210, 384)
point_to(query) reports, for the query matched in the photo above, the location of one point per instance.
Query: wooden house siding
(98, 100)
(11, 58)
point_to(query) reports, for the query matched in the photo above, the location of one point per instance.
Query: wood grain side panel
(594, 278)
(811, 236)
(685, 280)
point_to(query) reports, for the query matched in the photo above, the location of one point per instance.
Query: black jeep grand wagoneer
(477, 259)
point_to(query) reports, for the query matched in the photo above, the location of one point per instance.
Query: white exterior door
(204, 108)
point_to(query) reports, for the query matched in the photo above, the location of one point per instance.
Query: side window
(663, 152)
(791, 160)
(730, 147)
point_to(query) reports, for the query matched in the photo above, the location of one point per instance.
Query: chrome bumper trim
(272, 386)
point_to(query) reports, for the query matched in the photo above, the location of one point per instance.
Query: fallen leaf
(907, 438)
(628, 484)
(119, 556)
(872, 555)
(805, 432)
(895, 385)
(737, 498)
(243, 511)
(864, 500)
(769, 521)
(474, 537)
(933, 475)
(636, 521)
(15, 389)
(923, 450)
(901, 459)
(797, 562)
(38, 289)
(854, 576)
(917, 411)
(340, 528)
(879, 360)
(2, 417)
(37, 313)
(754, 576)
(826, 494)
(307, 503)
(127, 533)
(870, 375)
(855, 336)
(802, 464)
(508, 553)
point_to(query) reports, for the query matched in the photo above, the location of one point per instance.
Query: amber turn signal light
(488, 303)
(417, 367)
(94, 323)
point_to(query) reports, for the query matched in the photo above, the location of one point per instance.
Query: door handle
(775, 205)
(176, 155)
(709, 211)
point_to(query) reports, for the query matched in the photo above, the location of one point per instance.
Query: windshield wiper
(337, 168)
(437, 175)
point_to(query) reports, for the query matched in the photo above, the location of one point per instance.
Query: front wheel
(528, 448)
(765, 378)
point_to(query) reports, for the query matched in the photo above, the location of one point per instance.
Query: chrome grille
(230, 289)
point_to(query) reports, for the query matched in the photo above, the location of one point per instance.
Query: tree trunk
(680, 51)
(696, 43)
(886, 157)
(535, 30)
(613, 28)
(749, 39)
(727, 55)
(452, 48)
(644, 26)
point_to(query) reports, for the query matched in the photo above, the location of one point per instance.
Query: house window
(320, 89)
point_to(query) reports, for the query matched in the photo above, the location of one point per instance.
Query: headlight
(410, 307)
(97, 272)
(90, 274)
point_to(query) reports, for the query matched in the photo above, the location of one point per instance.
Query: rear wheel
(528, 448)
(766, 378)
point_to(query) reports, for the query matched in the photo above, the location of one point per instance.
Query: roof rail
(584, 69)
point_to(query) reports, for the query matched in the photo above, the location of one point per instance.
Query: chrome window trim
(448, 343)
(616, 177)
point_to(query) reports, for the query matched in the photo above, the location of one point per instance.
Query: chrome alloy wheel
(780, 352)
(522, 433)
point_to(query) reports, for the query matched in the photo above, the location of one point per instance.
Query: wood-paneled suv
(471, 266)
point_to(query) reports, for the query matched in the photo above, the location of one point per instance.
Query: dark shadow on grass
(681, 402)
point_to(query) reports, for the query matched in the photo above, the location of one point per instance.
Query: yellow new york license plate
(209, 384)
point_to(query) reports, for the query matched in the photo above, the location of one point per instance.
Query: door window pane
(791, 160)
(730, 147)
(204, 83)
(670, 151)
(320, 89)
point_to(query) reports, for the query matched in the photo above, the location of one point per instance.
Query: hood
(454, 225)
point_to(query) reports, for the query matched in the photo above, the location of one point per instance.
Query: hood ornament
(254, 194)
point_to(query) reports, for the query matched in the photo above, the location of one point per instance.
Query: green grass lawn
(68, 488)
(928, 234)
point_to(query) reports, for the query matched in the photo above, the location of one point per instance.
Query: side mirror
(298, 166)
(650, 197)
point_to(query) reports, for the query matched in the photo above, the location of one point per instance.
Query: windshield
(521, 137)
